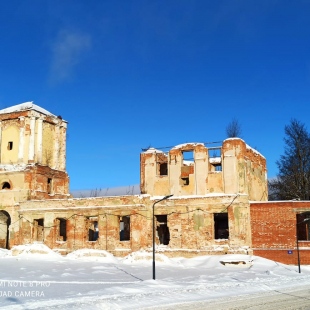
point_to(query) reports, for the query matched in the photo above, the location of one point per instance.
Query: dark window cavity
(162, 229)
(185, 181)
(93, 229)
(124, 228)
(61, 229)
(163, 168)
(6, 185)
(162, 164)
(38, 228)
(49, 185)
(303, 225)
(221, 230)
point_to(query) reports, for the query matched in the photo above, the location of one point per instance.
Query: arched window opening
(5, 221)
(6, 185)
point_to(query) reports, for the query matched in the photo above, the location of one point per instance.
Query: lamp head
(166, 197)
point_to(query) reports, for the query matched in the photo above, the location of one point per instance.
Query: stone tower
(32, 154)
(32, 158)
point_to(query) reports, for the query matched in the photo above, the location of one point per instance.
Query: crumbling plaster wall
(243, 170)
(107, 212)
(3, 220)
(30, 182)
(36, 138)
(196, 172)
(14, 226)
(190, 222)
(25, 136)
(154, 184)
(18, 191)
(26, 185)
(37, 178)
(10, 135)
(150, 180)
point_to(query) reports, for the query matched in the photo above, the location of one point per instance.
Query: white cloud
(67, 51)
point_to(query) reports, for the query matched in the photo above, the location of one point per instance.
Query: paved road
(274, 300)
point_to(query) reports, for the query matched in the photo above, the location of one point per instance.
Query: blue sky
(131, 74)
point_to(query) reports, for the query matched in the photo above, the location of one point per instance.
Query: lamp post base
(153, 270)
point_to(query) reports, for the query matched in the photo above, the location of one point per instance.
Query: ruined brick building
(219, 203)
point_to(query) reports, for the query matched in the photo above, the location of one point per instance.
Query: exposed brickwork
(237, 168)
(284, 256)
(273, 226)
(190, 223)
(210, 212)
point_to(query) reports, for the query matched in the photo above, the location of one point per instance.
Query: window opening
(187, 166)
(163, 168)
(162, 229)
(215, 159)
(185, 181)
(5, 222)
(39, 229)
(217, 167)
(10, 145)
(303, 228)
(214, 152)
(188, 158)
(6, 185)
(93, 229)
(61, 229)
(162, 164)
(221, 230)
(49, 185)
(124, 228)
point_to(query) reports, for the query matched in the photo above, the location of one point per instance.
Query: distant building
(219, 203)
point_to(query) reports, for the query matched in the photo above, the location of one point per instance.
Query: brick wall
(273, 229)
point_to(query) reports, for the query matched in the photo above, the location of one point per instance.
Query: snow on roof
(153, 150)
(254, 151)
(24, 107)
(185, 144)
(247, 146)
(198, 196)
(235, 138)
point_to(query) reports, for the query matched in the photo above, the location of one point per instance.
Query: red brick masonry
(273, 228)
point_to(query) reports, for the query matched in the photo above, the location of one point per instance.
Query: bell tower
(32, 154)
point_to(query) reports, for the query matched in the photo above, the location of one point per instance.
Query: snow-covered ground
(34, 277)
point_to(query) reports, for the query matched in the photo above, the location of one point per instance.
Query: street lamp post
(297, 243)
(166, 197)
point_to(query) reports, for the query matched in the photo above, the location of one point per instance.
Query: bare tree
(293, 178)
(95, 192)
(233, 129)
(130, 190)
